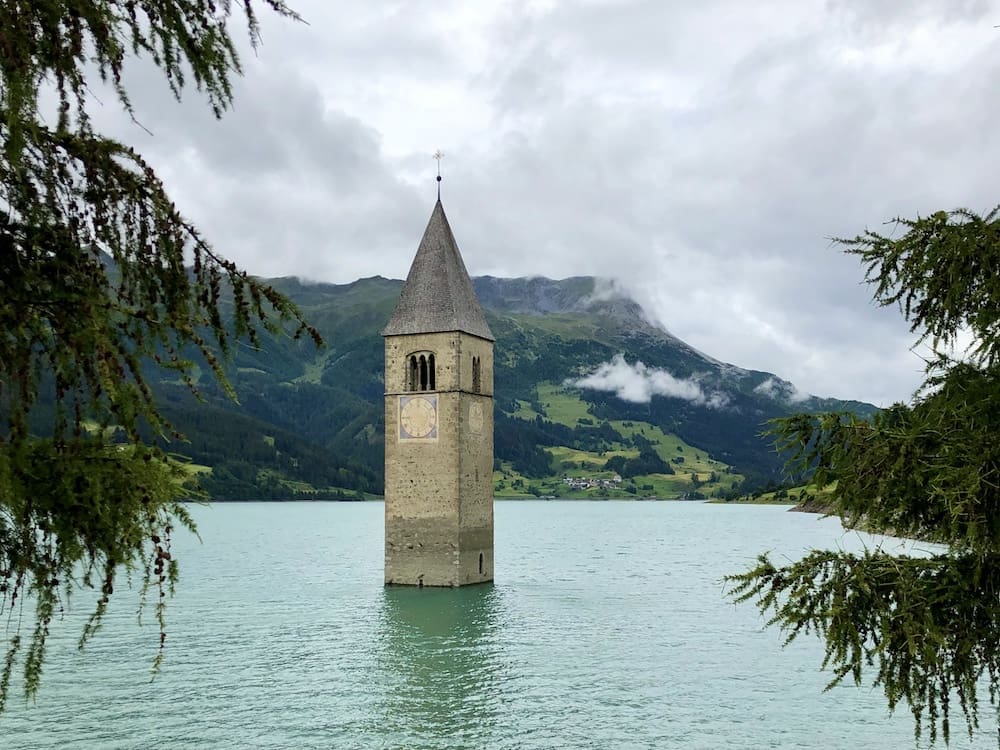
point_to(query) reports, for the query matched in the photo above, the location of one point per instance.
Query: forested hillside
(309, 423)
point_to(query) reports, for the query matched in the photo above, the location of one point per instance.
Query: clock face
(476, 417)
(417, 417)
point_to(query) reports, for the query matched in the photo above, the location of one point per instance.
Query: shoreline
(518, 498)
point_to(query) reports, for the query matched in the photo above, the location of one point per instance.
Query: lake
(607, 627)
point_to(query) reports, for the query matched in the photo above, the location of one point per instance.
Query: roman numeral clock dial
(417, 417)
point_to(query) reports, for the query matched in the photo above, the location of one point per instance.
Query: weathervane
(439, 156)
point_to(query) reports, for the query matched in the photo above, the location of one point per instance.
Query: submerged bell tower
(438, 422)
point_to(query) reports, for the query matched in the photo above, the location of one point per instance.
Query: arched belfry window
(412, 375)
(420, 372)
(477, 375)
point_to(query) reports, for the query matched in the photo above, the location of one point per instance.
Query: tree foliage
(927, 627)
(647, 462)
(100, 275)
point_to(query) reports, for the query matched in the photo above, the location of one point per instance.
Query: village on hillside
(587, 483)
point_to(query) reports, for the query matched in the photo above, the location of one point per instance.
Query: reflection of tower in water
(440, 667)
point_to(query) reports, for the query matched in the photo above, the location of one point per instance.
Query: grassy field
(305, 488)
(695, 470)
(196, 469)
(314, 369)
(562, 405)
(818, 498)
(524, 411)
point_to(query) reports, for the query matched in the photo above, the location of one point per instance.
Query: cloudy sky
(701, 153)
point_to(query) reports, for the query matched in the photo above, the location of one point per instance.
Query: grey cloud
(281, 183)
(638, 384)
(878, 16)
(781, 390)
(719, 215)
(700, 154)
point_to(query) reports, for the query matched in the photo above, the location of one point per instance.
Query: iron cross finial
(439, 156)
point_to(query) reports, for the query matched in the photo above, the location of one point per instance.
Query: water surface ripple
(607, 628)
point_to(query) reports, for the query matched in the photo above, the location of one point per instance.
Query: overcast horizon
(701, 155)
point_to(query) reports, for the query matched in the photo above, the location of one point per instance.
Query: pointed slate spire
(438, 294)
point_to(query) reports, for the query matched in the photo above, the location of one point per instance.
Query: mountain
(585, 386)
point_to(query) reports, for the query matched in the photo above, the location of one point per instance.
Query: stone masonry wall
(439, 491)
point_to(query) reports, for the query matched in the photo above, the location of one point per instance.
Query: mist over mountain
(578, 368)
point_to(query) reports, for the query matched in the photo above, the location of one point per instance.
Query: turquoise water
(607, 628)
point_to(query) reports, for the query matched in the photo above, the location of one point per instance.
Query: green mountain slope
(313, 420)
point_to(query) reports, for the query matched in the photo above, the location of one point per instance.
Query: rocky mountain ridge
(576, 360)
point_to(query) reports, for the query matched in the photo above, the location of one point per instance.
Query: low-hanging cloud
(323, 166)
(781, 390)
(638, 383)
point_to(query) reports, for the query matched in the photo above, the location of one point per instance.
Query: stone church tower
(438, 423)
